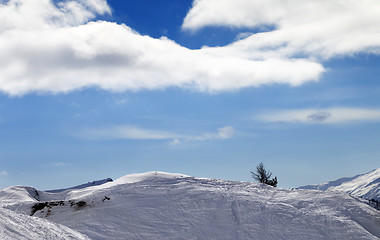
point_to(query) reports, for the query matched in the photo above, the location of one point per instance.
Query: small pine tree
(263, 176)
(273, 182)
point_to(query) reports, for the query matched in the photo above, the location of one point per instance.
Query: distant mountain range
(365, 186)
(158, 205)
(89, 184)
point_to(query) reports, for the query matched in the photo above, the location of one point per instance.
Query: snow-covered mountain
(89, 184)
(157, 205)
(366, 185)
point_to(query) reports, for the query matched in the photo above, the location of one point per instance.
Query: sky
(91, 89)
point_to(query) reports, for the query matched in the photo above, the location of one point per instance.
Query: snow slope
(158, 205)
(19, 226)
(14, 225)
(366, 186)
(16, 194)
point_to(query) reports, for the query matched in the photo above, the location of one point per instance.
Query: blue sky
(97, 89)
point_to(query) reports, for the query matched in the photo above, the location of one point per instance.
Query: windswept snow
(19, 226)
(366, 186)
(158, 205)
(139, 177)
(17, 194)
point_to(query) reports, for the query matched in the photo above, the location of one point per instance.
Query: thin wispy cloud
(222, 134)
(3, 173)
(125, 132)
(60, 164)
(121, 101)
(57, 48)
(136, 133)
(322, 116)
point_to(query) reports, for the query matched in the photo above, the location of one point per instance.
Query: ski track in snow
(159, 205)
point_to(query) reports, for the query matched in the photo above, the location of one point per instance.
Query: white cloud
(60, 164)
(120, 101)
(318, 29)
(126, 132)
(3, 173)
(136, 133)
(222, 134)
(322, 116)
(226, 132)
(56, 48)
(38, 15)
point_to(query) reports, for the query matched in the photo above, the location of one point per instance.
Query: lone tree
(263, 176)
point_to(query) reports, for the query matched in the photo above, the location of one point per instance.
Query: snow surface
(19, 226)
(366, 186)
(17, 194)
(14, 225)
(159, 205)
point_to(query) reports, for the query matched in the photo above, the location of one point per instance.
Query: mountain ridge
(365, 185)
(85, 185)
(158, 205)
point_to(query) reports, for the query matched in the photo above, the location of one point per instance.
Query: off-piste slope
(158, 205)
(19, 226)
(366, 185)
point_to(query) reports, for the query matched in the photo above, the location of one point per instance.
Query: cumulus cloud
(37, 15)
(322, 116)
(136, 133)
(47, 47)
(314, 29)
